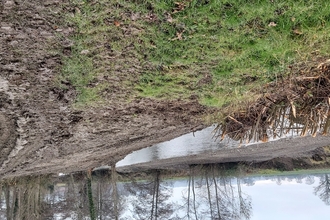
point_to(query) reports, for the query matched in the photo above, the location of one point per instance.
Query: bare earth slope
(39, 130)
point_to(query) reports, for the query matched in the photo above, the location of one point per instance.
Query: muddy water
(204, 193)
(197, 143)
(190, 144)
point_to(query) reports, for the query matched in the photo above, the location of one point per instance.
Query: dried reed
(300, 103)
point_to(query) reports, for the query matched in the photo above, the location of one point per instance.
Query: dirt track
(39, 130)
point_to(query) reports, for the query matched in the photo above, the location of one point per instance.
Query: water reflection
(202, 192)
(323, 189)
(211, 194)
(185, 145)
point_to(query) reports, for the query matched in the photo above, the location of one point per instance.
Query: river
(199, 191)
(203, 192)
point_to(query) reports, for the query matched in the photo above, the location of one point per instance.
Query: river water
(204, 192)
(199, 192)
(200, 142)
(190, 144)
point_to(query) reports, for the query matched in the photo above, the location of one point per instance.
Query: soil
(40, 131)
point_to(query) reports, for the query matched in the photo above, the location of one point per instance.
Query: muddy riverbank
(40, 130)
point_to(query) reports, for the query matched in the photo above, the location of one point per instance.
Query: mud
(40, 131)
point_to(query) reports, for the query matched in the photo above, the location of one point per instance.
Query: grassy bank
(210, 50)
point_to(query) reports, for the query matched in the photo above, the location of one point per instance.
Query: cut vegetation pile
(299, 103)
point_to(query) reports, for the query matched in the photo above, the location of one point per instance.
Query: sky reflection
(206, 192)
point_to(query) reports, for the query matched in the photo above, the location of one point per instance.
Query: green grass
(164, 54)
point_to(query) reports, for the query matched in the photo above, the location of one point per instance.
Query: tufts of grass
(269, 172)
(241, 44)
(215, 50)
(103, 59)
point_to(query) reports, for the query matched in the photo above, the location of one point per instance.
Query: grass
(210, 49)
(270, 172)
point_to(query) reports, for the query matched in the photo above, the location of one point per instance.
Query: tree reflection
(206, 192)
(210, 194)
(323, 189)
(219, 196)
(150, 197)
(23, 198)
(109, 204)
(77, 196)
(309, 180)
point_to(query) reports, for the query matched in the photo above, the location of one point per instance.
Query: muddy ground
(40, 131)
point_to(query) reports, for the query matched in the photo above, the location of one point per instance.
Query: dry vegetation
(299, 103)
